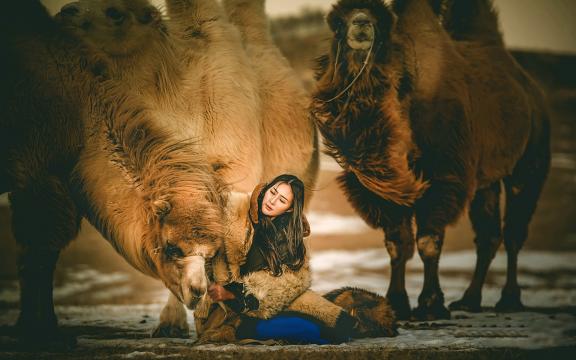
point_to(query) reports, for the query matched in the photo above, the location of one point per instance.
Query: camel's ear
(254, 202)
(336, 22)
(386, 21)
(161, 208)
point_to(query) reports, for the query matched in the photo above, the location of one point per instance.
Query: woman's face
(277, 200)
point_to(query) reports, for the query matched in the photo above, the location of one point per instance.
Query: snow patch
(563, 161)
(327, 224)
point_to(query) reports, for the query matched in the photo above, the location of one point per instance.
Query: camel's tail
(373, 312)
(475, 20)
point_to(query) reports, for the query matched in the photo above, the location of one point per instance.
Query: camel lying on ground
(425, 126)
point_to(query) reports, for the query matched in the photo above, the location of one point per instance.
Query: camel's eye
(173, 251)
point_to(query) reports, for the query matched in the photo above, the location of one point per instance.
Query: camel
(74, 144)
(196, 81)
(425, 126)
(476, 22)
(224, 112)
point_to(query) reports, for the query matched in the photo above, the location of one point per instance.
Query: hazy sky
(528, 24)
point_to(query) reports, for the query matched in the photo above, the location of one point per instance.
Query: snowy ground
(120, 331)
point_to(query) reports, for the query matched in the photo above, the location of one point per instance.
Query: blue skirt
(291, 327)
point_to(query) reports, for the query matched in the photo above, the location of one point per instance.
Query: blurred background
(541, 36)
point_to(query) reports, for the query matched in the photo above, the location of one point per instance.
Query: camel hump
(471, 20)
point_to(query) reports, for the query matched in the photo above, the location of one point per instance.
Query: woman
(276, 271)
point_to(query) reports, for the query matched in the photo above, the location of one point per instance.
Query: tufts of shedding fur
(373, 312)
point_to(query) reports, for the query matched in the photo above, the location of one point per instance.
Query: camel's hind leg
(523, 189)
(485, 217)
(44, 219)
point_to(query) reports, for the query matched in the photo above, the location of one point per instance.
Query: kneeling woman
(276, 275)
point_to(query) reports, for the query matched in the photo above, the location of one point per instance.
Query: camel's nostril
(197, 293)
(116, 15)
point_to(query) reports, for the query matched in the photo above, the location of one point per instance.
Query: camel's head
(189, 231)
(115, 27)
(361, 23)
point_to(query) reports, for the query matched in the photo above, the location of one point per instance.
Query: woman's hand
(218, 293)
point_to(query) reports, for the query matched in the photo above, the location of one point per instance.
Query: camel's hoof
(509, 304)
(54, 340)
(466, 304)
(435, 312)
(170, 331)
(401, 305)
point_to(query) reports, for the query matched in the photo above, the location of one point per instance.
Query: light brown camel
(74, 145)
(192, 72)
(425, 126)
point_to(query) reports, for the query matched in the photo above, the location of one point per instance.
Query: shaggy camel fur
(192, 72)
(289, 136)
(74, 145)
(425, 126)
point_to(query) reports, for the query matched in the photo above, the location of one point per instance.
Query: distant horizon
(539, 25)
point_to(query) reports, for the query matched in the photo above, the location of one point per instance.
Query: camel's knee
(399, 251)
(429, 246)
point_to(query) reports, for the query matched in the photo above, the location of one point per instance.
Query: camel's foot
(467, 303)
(225, 334)
(167, 330)
(400, 304)
(46, 336)
(431, 307)
(510, 302)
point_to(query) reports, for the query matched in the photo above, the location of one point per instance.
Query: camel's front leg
(173, 320)
(439, 207)
(44, 221)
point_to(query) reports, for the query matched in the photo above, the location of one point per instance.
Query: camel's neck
(126, 165)
(114, 205)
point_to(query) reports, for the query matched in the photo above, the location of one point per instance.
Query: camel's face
(361, 23)
(190, 234)
(116, 27)
(360, 32)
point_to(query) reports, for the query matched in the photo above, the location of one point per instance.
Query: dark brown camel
(425, 125)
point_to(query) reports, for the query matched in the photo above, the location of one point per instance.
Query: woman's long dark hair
(286, 228)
